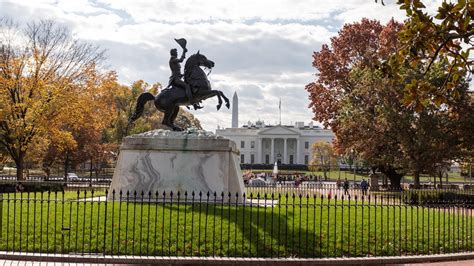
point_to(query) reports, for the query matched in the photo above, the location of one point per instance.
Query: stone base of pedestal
(374, 182)
(164, 161)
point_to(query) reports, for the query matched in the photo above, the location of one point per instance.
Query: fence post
(171, 226)
(184, 227)
(177, 224)
(1, 215)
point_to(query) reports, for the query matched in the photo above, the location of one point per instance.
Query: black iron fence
(226, 224)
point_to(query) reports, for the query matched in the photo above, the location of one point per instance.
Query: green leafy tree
(448, 36)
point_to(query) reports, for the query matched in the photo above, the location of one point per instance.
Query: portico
(278, 144)
(281, 149)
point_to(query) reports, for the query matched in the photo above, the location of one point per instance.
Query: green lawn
(306, 227)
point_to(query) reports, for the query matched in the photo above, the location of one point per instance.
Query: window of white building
(242, 144)
(306, 159)
(242, 158)
(306, 144)
(252, 158)
(252, 144)
(267, 158)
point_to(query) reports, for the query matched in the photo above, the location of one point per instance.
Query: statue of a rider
(176, 76)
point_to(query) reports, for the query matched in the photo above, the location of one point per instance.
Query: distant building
(266, 144)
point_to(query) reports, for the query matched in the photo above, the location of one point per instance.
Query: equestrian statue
(194, 89)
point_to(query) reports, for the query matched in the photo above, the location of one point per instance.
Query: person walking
(345, 186)
(364, 185)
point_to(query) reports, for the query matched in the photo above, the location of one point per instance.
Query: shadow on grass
(257, 231)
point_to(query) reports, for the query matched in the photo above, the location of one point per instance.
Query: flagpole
(279, 107)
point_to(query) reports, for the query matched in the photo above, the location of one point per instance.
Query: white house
(260, 144)
(266, 144)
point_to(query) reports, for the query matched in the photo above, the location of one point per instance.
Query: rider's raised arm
(183, 55)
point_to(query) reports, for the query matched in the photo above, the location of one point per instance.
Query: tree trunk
(90, 174)
(393, 176)
(440, 175)
(66, 163)
(20, 165)
(416, 179)
(47, 170)
(395, 182)
(90, 169)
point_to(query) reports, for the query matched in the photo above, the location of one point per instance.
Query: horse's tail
(142, 99)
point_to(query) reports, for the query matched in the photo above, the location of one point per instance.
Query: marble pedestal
(165, 161)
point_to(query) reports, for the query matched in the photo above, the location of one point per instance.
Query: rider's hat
(182, 42)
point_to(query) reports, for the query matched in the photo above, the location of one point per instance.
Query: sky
(262, 48)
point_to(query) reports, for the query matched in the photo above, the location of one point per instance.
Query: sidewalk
(38, 263)
(72, 259)
(446, 263)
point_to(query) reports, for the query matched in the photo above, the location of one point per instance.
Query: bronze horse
(169, 100)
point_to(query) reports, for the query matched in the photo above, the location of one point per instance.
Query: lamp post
(354, 163)
(354, 172)
(339, 165)
(470, 173)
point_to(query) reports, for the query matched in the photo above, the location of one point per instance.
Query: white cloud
(262, 49)
(191, 11)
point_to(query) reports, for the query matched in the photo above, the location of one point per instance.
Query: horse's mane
(190, 63)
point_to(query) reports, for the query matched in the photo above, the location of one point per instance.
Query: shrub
(32, 187)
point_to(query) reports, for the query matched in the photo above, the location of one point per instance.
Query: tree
(397, 138)
(362, 44)
(42, 70)
(366, 108)
(323, 156)
(447, 35)
(466, 167)
(83, 123)
(3, 158)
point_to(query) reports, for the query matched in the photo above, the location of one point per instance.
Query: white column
(272, 159)
(297, 151)
(285, 157)
(259, 150)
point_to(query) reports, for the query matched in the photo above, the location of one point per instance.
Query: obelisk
(235, 111)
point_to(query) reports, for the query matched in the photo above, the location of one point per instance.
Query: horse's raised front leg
(203, 95)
